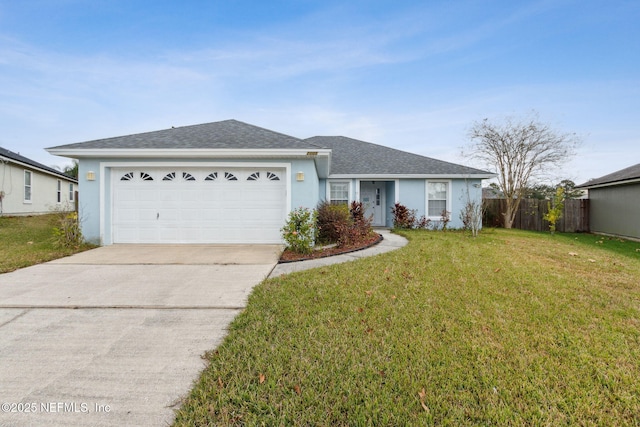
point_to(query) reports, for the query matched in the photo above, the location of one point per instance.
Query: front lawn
(511, 328)
(29, 240)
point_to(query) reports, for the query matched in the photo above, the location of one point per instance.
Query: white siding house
(29, 188)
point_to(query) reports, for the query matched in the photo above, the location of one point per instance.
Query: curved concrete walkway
(390, 242)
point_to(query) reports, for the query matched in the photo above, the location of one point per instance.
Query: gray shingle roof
(632, 172)
(224, 134)
(22, 159)
(351, 156)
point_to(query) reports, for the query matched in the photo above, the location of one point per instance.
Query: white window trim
(339, 181)
(71, 192)
(24, 187)
(426, 198)
(58, 192)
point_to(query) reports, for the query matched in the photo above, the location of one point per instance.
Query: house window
(339, 193)
(27, 186)
(59, 192)
(71, 193)
(437, 193)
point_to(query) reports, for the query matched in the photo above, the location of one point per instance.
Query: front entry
(372, 196)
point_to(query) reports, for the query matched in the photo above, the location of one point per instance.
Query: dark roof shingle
(25, 160)
(632, 172)
(217, 135)
(351, 156)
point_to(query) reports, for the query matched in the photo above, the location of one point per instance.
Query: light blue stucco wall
(390, 190)
(462, 191)
(306, 193)
(303, 193)
(413, 192)
(412, 195)
(89, 200)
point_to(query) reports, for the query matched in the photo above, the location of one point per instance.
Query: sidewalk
(390, 242)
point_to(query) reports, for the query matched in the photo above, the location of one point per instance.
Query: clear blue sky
(413, 75)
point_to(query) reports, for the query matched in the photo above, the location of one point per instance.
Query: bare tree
(519, 150)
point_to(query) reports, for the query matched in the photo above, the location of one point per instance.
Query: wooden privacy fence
(575, 217)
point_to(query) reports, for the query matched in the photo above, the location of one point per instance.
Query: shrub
(471, 216)
(299, 230)
(330, 220)
(445, 217)
(67, 232)
(359, 226)
(555, 209)
(403, 217)
(423, 222)
(343, 225)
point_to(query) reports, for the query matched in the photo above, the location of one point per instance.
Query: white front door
(372, 198)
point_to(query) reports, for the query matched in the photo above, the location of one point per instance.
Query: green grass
(29, 240)
(511, 328)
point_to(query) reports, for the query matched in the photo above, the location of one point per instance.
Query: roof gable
(226, 134)
(632, 173)
(354, 157)
(25, 161)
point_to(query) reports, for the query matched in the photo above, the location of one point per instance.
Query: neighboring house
(614, 203)
(28, 187)
(231, 182)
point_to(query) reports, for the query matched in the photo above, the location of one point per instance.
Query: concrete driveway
(114, 336)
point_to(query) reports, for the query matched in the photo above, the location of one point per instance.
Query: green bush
(300, 229)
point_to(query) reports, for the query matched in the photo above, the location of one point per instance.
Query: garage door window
(212, 176)
(230, 177)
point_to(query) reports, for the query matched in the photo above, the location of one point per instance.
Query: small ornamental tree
(300, 230)
(520, 151)
(555, 209)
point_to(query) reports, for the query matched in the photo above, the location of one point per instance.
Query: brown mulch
(289, 256)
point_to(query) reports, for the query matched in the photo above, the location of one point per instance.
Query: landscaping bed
(291, 256)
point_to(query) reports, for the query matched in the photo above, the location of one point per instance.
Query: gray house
(231, 182)
(614, 206)
(30, 188)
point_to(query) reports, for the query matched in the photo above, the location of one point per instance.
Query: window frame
(447, 199)
(71, 192)
(28, 186)
(59, 192)
(331, 200)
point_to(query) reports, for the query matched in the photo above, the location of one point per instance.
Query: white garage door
(198, 205)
